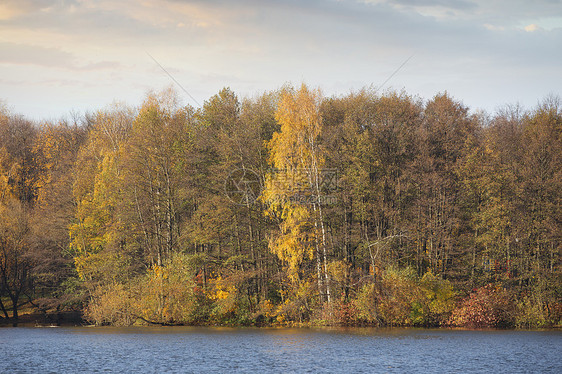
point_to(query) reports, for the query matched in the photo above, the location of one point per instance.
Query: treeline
(288, 207)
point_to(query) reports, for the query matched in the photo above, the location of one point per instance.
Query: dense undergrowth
(398, 298)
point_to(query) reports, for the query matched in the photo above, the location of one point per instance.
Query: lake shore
(76, 319)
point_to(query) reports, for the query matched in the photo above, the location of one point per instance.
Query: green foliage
(399, 297)
(530, 313)
(439, 299)
(367, 304)
(403, 299)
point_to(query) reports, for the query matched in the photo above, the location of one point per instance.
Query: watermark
(302, 199)
(243, 186)
(305, 179)
(301, 186)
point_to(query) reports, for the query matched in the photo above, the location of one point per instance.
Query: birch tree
(296, 154)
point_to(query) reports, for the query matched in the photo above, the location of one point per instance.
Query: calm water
(247, 350)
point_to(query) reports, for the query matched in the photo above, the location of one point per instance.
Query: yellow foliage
(299, 115)
(339, 270)
(104, 266)
(157, 272)
(224, 294)
(222, 289)
(267, 308)
(294, 151)
(294, 243)
(281, 318)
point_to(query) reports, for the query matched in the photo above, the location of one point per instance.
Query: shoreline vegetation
(285, 209)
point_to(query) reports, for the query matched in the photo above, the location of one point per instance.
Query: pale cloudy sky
(63, 55)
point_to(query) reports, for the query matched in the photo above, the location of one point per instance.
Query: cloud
(452, 4)
(10, 9)
(260, 44)
(100, 65)
(499, 14)
(22, 54)
(532, 27)
(493, 27)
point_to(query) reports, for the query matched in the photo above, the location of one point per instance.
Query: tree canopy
(288, 207)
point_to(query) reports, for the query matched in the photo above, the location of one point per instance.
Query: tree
(446, 127)
(19, 175)
(155, 170)
(539, 215)
(296, 153)
(95, 232)
(56, 148)
(15, 265)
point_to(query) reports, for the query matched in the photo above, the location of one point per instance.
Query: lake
(276, 350)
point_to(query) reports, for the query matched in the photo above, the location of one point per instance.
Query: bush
(298, 304)
(111, 305)
(439, 300)
(340, 312)
(402, 299)
(395, 301)
(366, 304)
(164, 295)
(488, 306)
(530, 313)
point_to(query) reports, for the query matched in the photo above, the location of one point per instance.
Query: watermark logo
(300, 186)
(243, 186)
(306, 199)
(305, 179)
(304, 186)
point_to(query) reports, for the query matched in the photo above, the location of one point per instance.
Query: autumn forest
(287, 208)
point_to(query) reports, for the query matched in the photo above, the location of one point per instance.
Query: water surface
(269, 350)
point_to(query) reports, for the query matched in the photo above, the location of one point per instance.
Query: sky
(72, 56)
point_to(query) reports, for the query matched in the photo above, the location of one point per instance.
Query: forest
(286, 208)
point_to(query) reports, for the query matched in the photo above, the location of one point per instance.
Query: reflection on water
(270, 350)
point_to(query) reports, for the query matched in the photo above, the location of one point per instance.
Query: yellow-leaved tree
(292, 189)
(96, 191)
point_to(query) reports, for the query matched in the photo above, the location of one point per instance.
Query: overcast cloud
(58, 56)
